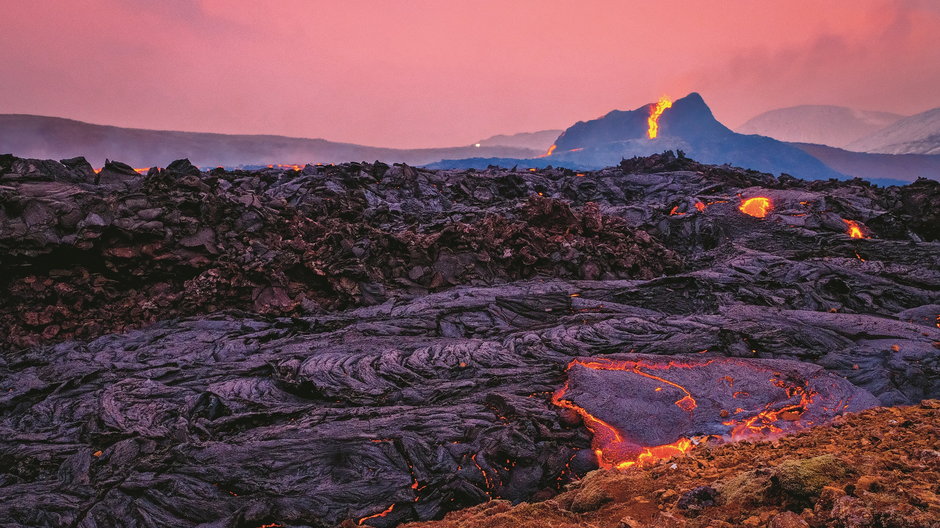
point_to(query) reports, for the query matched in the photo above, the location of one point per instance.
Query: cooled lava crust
(641, 407)
(381, 344)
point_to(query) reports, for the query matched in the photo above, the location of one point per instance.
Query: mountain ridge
(45, 137)
(831, 125)
(917, 134)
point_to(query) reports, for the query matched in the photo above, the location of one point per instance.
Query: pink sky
(413, 73)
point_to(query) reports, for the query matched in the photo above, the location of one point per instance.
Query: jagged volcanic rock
(382, 343)
(79, 259)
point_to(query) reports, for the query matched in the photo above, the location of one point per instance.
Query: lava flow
(382, 513)
(855, 229)
(637, 415)
(286, 166)
(757, 207)
(656, 111)
(608, 444)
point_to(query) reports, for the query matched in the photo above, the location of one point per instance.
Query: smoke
(891, 52)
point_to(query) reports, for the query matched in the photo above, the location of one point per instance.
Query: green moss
(750, 488)
(806, 477)
(589, 498)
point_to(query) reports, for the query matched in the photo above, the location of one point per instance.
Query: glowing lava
(642, 408)
(382, 513)
(656, 111)
(551, 149)
(609, 445)
(855, 229)
(757, 207)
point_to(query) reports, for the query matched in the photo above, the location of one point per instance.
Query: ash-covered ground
(384, 343)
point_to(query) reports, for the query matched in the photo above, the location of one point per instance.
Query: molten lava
(382, 513)
(551, 149)
(286, 166)
(757, 207)
(774, 402)
(657, 110)
(855, 229)
(609, 445)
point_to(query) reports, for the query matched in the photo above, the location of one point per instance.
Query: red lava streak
(380, 514)
(778, 406)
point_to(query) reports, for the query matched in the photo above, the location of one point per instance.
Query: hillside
(835, 126)
(56, 138)
(539, 141)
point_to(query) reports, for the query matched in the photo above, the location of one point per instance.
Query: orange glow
(700, 206)
(656, 111)
(764, 422)
(608, 443)
(614, 451)
(855, 229)
(652, 454)
(551, 149)
(757, 207)
(286, 166)
(382, 513)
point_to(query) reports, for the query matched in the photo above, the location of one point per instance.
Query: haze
(429, 73)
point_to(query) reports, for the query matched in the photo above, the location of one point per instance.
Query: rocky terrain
(377, 344)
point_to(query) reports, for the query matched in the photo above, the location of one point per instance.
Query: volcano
(688, 125)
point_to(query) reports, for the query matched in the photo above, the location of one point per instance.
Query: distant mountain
(883, 169)
(836, 126)
(540, 140)
(918, 134)
(56, 138)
